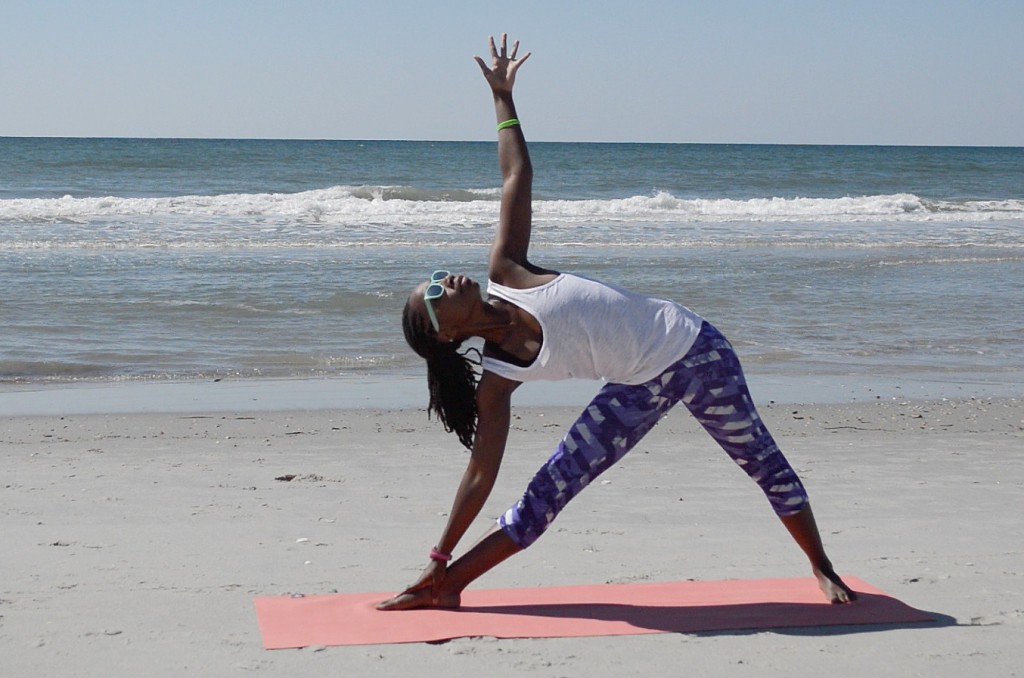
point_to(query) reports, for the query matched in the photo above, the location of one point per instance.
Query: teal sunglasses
(435, 290)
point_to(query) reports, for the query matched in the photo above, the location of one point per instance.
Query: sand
(134, 543)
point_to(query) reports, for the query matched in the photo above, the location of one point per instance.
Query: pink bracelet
(437, 555)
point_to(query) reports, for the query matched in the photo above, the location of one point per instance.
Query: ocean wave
(396, 217)
(332, 205)
(398, 204)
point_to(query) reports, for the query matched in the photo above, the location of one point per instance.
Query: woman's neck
(519, 334)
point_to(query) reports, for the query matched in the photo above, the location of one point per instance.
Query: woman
(541, 324)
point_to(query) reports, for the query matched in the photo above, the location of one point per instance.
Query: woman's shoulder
(521, 276)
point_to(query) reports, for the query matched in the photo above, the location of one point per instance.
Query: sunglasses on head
(435, 290)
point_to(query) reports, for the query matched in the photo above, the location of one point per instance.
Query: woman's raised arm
(511, 242)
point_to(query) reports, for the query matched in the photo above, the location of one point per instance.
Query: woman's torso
(592, 330)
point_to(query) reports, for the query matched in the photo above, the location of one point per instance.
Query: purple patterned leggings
(710, 382)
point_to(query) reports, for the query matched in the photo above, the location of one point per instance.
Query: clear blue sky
(864, 72)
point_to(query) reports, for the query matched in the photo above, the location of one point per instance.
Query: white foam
(346, 216)
(341, 203)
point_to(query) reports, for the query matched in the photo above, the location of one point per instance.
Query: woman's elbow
(519, 175)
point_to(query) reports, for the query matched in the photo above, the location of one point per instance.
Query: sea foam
(356, 203)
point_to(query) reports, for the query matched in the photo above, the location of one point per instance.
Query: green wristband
(508, 123)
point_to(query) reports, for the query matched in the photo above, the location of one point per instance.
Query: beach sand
(135, 543)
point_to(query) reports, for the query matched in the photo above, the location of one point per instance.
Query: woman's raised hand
(502, 73)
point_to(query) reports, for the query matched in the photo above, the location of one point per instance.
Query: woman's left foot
(834, 589)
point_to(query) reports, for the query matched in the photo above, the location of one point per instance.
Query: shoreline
(403, 392)
(960, 416)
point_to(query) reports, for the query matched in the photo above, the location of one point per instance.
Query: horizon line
(532, 141)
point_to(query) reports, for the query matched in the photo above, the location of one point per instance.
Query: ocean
(179, 260)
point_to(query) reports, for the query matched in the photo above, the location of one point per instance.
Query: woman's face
(446, 301)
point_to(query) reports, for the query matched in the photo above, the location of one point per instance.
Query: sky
(717, 71)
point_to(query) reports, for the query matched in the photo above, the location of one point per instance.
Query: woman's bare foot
(419, 598)
(833, 587)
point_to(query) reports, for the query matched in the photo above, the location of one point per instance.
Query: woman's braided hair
(451, 376)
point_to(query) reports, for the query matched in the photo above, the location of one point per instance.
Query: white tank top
(592, 330)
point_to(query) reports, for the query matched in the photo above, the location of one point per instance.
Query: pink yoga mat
(571, 611)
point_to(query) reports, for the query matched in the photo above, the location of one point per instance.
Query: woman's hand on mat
(428, 591)
(411, 600)
(501, 76)
(433, 577)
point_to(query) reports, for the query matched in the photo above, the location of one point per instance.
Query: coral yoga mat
(293, 621)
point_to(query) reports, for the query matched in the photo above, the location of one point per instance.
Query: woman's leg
(710, 382)
(615, 420)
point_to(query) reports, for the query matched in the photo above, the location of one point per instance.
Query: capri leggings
(710, 382)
